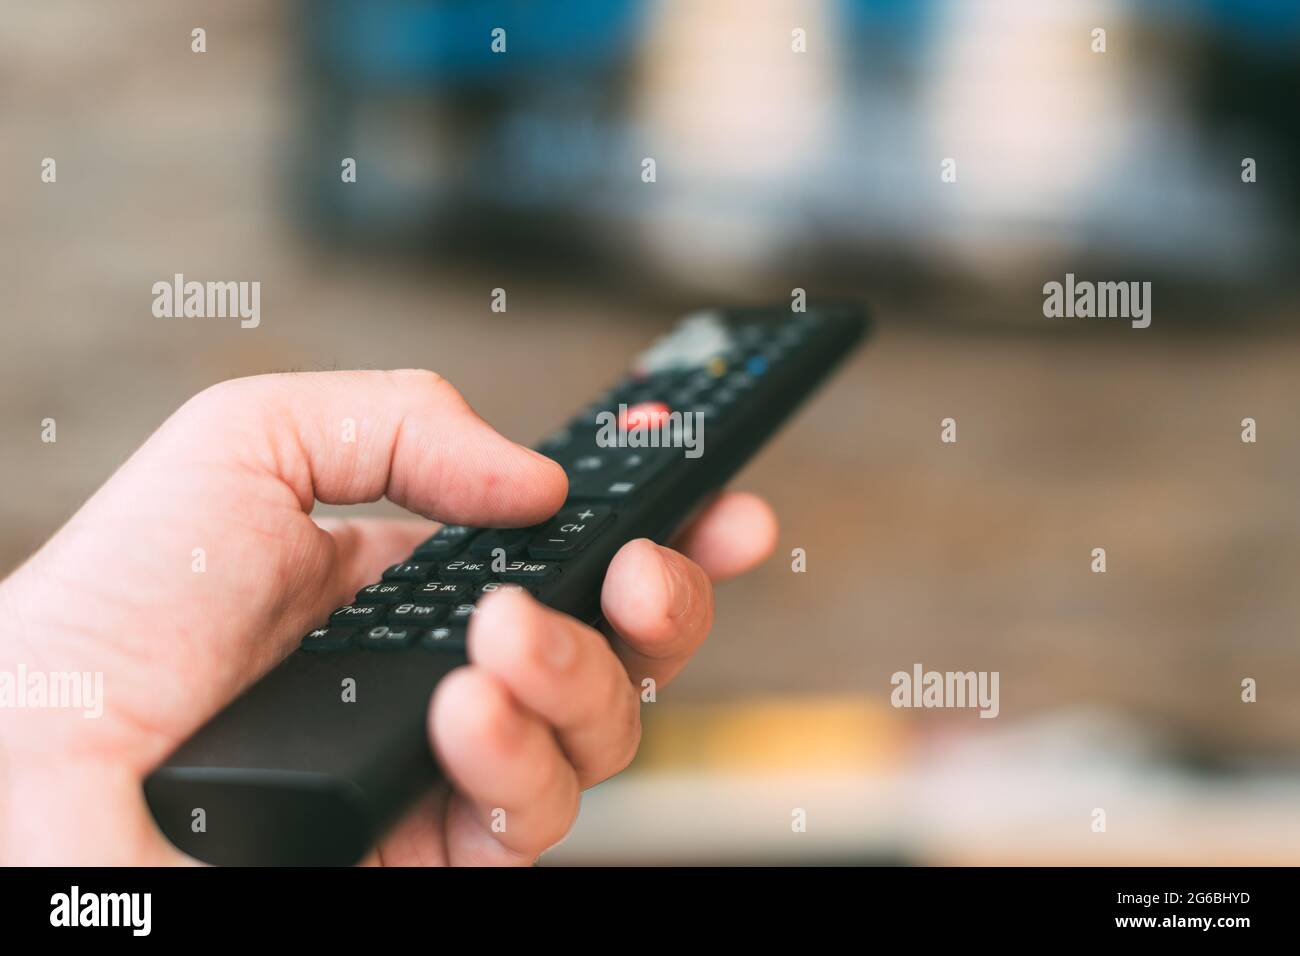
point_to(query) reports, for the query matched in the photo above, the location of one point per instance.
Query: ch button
(569, 531)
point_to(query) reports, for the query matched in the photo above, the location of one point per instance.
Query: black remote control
(292, 774)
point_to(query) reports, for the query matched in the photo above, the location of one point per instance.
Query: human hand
(546, 708)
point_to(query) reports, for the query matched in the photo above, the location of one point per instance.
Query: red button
(643, 414)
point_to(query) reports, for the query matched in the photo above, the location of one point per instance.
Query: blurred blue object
(400, 43)
(539, 148)
(1267, 20)
(902, 20)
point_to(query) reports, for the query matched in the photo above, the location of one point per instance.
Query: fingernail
(559, 648)
(679, 588)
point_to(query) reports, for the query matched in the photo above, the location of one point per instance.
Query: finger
(521, 793)
(736, 532)
(660, 603)
(363, 547)
(567, 674)
(349, 437)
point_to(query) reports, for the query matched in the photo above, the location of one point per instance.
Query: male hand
(546, 708)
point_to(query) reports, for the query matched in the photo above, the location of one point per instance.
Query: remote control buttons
(610, 489)
(740, 381)
(448, 540)
(643, 415)
(461, 613)
(445, 639)
(623, 471)
(426, 614)
(409, 571)
(723, 397)
(485, 589)
(333, 637)
(386, 592)
(529, 572)
(362, 614)
(441, 592)
(384, 638)
(463, 570)
(512, 541)
(569, 531)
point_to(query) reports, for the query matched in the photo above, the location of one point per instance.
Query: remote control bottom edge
(285, 819)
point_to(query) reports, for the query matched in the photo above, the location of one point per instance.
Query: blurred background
(775, 169)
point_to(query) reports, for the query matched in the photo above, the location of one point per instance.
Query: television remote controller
(291, 774)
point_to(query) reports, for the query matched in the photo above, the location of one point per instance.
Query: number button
(485, 589)
(528, 572)
(363, 614)
(461, 613)
(425, 614)
(441, 592)
(409, 571)
(384, 638)
(387, 592)
(463, 570)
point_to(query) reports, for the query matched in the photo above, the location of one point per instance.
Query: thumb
(350, 437)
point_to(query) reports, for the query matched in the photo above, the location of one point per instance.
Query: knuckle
(221, 396)
(424, 385)
(227, 405)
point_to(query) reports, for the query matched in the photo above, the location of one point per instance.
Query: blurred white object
(1023, 793)
(733, 116)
